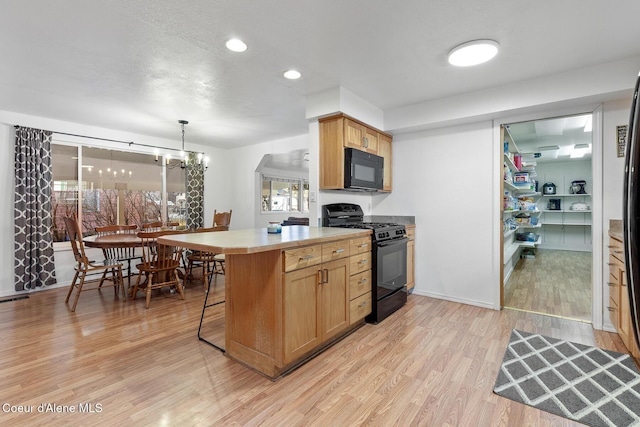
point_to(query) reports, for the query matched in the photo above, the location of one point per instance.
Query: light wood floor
(433, 363)
(555, 282)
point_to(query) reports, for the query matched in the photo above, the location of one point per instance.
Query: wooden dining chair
(159, 265)
(122, 254)
(201, 259)
(85, 267)
(222, 218)
(159, 225)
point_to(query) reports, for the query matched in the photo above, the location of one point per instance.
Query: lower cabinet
(619, 296)
(316, 299)
(411, 256)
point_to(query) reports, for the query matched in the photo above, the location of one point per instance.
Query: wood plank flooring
(555, 282)
(433, 363)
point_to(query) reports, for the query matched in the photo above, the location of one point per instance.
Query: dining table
(116, 240)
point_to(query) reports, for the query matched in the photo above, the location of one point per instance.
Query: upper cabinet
(339, 132)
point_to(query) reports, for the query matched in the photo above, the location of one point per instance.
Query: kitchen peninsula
(288, 295)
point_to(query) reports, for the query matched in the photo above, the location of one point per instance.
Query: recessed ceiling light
(473, 53)
(236, 45)
(292, 74)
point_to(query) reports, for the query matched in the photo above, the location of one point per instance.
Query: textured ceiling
(140, 66)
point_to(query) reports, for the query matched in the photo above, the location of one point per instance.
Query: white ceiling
(141, 66)
(562, 132)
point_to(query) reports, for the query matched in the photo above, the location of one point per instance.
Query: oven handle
(393, 242)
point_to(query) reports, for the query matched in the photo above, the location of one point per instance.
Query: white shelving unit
(512, 247)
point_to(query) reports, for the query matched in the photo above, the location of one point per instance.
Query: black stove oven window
(391, 271)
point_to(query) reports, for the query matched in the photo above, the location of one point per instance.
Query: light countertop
(258, 240)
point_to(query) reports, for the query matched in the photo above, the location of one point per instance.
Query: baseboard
(453, 299)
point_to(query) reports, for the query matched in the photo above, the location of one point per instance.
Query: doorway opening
(547, 207)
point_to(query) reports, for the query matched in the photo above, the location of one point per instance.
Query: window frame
(162, 160)
(300, 181)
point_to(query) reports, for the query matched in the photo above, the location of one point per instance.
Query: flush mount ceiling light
(473, 53)
(292, 74)
(236, 45)
(579, 150)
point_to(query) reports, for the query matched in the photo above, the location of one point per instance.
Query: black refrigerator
(631, 212)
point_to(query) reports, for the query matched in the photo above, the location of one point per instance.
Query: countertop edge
(182, 241)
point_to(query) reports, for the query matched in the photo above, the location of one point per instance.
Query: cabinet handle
(611, 264)
(363, 303)
(611, 308)
(326, 271)
(364, 261)
(338, 251)
(362, 281)
(618, 252)
(306, 257)
(366, 142)
(364, 245)
(320, 277)
(611, 247)
(611, 284)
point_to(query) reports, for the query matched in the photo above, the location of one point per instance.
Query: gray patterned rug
(586, 384)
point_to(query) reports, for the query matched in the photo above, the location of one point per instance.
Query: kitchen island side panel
(253, 309)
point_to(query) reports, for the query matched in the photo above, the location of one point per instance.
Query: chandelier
(185, 162)
(187, 159)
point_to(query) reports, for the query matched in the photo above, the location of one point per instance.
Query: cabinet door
(371, 141)
(335, 298)
(354, 134)
(384, 150)
(302, 331)
(411, 281)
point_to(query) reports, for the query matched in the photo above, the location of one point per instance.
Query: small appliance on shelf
(554, 204)
(577, 187)
(549, 188)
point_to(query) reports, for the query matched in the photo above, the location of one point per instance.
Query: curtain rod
(129, 143)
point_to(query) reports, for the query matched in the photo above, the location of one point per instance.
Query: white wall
(214, 194)
(245, 185)
(445, 178)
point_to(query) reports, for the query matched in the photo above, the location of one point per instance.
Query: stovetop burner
(347, 215)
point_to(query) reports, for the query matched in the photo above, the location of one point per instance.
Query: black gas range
(389, 257)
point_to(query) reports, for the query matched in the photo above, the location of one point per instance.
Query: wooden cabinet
(340, 131)
(360, 279)
(316, 297)
(411, 246)
(384, 150)
(619, 297)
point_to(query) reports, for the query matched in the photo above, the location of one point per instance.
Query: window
(117, 187)
(284, 195)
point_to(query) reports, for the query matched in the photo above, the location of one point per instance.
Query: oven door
(391, 266)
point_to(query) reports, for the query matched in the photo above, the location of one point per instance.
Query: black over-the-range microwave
(362, 171)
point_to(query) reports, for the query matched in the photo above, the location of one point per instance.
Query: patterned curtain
(195, 192)
(34, 264)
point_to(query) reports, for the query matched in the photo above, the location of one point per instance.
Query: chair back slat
(222, 218)
(75, 237)
(159, 225)
(121, 252)
(156, 256)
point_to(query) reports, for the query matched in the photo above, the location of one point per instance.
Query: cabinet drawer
(614, 313)
(359, 263)
(360, 246)
(359, 308)
(613, 289)
(297, 258)
(411, 231)
(335, 250)
(616, 249)
(615, 266)
(360, 284)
